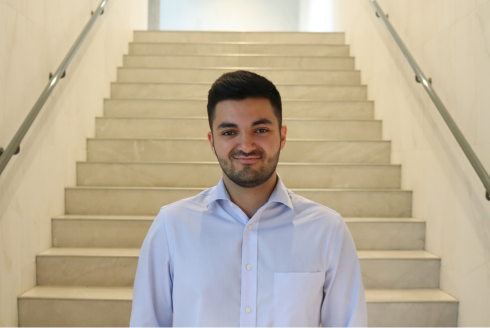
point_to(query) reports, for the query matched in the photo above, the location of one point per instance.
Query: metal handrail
(14, 145)
(420, 77)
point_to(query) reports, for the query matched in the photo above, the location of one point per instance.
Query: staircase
(151, 149)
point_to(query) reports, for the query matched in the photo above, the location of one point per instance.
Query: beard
(249, 177)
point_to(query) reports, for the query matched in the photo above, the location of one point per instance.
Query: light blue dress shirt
(293, 263)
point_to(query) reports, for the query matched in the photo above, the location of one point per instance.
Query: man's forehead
(246, 108)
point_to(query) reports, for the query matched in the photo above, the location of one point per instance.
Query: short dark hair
(240, 85)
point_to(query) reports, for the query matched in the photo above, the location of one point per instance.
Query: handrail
(14, 145)
(420, 77)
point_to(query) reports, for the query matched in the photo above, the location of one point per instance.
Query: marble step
(240, 61)
(119, 231)
(207, 174)
(263, 37)
(296, 150)
(411, 308)
(44, 306)
(320, 109)
(149, 200)
(57, 306)
(187, 127)
(120, 90)
(209, 75)
(115, 267)
(187, 48)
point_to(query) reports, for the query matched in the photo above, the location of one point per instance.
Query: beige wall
(35, 35)
(450, 39)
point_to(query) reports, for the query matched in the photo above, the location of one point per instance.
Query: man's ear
(211, 141)
(284, 131)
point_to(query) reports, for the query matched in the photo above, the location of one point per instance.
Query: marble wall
(450, 39)
(35, 35)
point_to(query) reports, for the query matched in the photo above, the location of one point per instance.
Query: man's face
(247, 140)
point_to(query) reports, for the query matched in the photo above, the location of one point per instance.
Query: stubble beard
(249, 177)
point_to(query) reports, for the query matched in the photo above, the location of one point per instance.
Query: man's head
(245, 117)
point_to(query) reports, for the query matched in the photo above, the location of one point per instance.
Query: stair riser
(73, 313)
(141, 201)
(194, 128)
(149, 75)
(120, 271)
(104, 150)
(186, 91)
(349, 110)
(412, 314)
(60, 312)
(281, 38)
(388, 235)
(207, 175)
(87, 233)
(244, 61)
(400, 273)
(237, 48)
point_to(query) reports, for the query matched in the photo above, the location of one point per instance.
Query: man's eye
(228, 133)
(262, 130)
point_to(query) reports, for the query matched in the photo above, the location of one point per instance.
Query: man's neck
(250, 199)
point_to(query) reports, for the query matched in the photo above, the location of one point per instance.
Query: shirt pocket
(297, 298)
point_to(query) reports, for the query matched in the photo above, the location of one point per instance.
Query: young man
(248, 252)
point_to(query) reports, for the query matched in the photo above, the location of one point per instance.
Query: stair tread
(277, 84)
(201, 139)
(203, 188)
(134, 252)
(242, 43)
(86, 293)
(241, 67)
(151, 217)
(205, 100)
(216, 163)
(205, 119)
(407, 295)
(126, 293)
(242, 55)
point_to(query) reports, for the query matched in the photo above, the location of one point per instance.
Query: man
(248, 252)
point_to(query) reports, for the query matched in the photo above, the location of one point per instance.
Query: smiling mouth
(247, 160)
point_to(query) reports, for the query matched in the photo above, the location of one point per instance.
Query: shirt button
(248, 310)
(249, 267)
(250, 227)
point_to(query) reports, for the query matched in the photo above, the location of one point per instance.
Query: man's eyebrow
(261, 121)
(225, 125)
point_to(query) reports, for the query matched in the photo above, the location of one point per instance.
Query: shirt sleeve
(152, 291)
(344, 302)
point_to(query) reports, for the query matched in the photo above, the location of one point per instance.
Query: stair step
(198, 127)
(240, 60)
(411, 308)
(117, 267)
(44, 306)
(209, 75)
(120, 90)
(119, 231)
(148, 201)
(205, 174)
(56, 306)
(319, 109)
(296, 150)
(263, 37)
(184, 48)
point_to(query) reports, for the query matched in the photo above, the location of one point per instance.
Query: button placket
(248, 316)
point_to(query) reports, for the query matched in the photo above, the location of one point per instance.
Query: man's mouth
(247, 159)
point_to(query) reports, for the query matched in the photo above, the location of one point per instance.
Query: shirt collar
(279, 194)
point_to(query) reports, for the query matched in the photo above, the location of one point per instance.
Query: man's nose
(246, 143)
